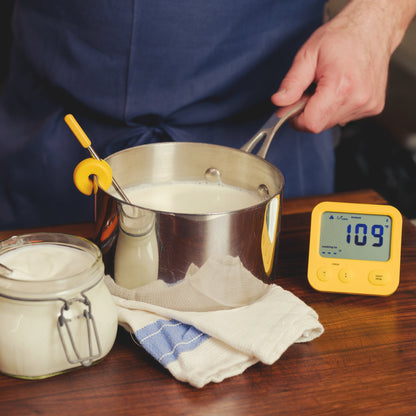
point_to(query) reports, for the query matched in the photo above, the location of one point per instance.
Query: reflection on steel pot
(136, 260)
(141, 242)
(171, 241)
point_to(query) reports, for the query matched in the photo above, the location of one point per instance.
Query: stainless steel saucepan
(145, 244)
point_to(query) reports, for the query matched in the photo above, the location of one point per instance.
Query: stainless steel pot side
(251, 234)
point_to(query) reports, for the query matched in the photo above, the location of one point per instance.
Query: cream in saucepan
(192, 197)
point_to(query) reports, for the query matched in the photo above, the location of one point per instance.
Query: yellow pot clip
(93, 166)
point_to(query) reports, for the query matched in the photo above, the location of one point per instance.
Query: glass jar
(56, 312)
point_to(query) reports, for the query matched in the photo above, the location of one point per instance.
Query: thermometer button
(378, 277)
(346, 275)
(324, 274)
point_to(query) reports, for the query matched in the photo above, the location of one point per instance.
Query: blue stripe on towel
(166, 339)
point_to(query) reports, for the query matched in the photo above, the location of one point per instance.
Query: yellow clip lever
(77, 130)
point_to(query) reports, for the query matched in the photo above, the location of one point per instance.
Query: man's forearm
(393, 16)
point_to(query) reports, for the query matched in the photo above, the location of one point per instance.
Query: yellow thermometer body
(355, 248)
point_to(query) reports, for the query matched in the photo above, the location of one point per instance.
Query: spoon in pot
(86, 143)
(5, 271)
(13, 273)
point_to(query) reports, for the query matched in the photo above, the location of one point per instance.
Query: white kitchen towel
(214, 323)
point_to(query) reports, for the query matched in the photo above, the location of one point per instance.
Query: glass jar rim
(61, 287)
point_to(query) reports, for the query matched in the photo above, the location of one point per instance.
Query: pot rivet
(213, 175)
(263, 190)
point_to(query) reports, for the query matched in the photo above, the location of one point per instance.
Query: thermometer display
(355, 236)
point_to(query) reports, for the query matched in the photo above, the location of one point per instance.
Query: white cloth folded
(214, 323)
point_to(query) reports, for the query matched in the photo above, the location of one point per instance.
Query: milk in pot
(192, 197)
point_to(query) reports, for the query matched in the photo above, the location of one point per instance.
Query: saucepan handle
(269, 130)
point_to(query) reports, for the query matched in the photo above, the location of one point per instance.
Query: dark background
(377, 153)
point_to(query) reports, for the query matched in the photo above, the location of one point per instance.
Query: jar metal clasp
(77, 312)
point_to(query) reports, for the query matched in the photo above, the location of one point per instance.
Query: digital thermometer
(355, 248)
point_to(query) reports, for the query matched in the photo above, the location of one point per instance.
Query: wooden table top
(364, 363)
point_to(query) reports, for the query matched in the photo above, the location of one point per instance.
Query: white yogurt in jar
(192, 197)
(45, 262)
(55, 292)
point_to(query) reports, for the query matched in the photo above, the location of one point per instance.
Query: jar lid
(44, 266)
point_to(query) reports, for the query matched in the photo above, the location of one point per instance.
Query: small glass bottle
(56, 312)
(136, 260)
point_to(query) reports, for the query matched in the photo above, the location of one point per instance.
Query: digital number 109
(360, 234)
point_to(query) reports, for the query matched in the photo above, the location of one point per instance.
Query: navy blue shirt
(140, 71)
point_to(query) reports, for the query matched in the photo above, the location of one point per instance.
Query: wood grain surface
(363, 364)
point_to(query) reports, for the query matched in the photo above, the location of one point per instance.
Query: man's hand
(347, 58)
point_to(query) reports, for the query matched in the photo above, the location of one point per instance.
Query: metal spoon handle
(116, 186)
(4, 270)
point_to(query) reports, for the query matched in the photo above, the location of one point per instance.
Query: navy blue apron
(135, 72)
